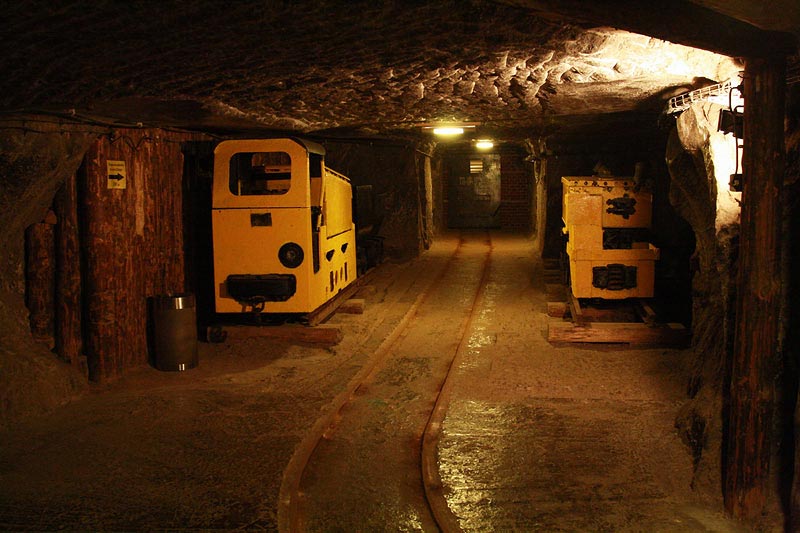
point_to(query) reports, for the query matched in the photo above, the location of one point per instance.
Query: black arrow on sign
(116, 177)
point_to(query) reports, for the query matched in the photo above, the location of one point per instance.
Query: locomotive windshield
(260, 173)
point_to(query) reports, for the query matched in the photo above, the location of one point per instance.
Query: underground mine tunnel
(480, 265)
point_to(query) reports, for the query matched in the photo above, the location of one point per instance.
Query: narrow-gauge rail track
(412, 406)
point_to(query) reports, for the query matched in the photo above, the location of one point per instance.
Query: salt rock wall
(698, 157)
(35, 158)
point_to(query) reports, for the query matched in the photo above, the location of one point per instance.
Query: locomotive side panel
(339, 233)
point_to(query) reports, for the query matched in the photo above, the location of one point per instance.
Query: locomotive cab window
(260, 173)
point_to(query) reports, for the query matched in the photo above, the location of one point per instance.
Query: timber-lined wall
(114, 248)
(132, 243)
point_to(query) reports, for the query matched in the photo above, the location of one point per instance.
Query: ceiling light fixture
(448, 131)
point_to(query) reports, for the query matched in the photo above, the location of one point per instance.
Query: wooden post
(40, 277)
(100, 210)
(755, 358)
(68, 274)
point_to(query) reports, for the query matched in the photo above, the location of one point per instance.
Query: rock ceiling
(356, 67)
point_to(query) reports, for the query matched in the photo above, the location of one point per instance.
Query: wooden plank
(353, 306)
(632, 333)
(756, 354)
(557, 309)
(323, 312)
(623, 312)
(323, 334)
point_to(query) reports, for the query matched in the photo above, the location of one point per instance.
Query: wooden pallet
(632, 322)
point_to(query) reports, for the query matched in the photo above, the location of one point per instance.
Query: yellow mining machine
(607, 221)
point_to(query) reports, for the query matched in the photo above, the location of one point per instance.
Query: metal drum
(174, 332)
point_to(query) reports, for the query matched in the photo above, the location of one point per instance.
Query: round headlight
(291, 255)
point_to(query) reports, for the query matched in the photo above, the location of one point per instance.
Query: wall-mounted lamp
(484, 144)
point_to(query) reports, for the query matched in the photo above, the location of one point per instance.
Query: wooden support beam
(131, 243)
(68, 335)
(100, 254)
(40, 278)
(677, 21)
(754, 367)
(575, 309)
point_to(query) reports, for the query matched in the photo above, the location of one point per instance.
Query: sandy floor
(537, 437)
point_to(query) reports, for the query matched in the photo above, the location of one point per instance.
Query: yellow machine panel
(606, 202)
(606, 220)
(283, 233)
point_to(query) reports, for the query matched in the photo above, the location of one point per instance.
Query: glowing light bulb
(446, 131)
(484, 144)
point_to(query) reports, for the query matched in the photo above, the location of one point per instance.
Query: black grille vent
(614, 277)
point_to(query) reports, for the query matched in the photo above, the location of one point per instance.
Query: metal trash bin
(174, 332)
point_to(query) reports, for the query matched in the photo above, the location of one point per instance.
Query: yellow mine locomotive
(283, 232)
(607, 221)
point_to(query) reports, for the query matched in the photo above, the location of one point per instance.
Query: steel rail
(444, 517)
(291, 500)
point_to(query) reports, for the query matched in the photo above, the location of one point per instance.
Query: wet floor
(366, 474)
(536, 438)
